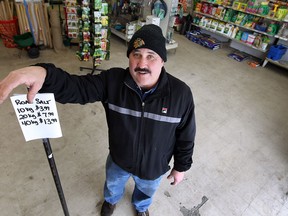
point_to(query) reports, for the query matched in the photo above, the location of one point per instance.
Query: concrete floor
(241, 152)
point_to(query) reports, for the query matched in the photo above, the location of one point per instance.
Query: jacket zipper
(136, 150)
(139, 152)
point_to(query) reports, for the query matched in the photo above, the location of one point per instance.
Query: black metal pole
(54, 171)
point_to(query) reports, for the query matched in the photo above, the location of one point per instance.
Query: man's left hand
(177, 176)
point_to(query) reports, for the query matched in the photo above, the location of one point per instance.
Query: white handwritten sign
(38, 120)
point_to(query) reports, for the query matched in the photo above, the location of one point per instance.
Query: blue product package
(276, 52)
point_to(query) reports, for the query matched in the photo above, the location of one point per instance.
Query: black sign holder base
(55, 174)
(93, 69)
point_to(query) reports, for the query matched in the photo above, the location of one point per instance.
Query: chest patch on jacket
(164, 109)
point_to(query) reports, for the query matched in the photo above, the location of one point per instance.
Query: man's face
(145, 67)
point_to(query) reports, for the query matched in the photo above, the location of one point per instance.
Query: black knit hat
(150, 37)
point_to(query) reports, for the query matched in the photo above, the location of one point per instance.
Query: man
(150, 116)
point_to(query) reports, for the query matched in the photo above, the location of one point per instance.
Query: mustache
(138, 69)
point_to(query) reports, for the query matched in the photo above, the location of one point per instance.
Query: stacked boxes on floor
(203, 39)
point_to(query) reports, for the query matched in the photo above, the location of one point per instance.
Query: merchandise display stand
(93, 69)
(167, 24)
(94, 33)
(72, 29)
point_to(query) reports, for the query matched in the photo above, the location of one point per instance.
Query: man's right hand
(33, 77)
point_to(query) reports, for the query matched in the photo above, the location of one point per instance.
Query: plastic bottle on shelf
(273, 11)
(265, 42)
(286, 18)
(235, 30)
(198, 7)
(223, 12)
(228, 15)
(257, 41)
(281, 13)
(239, 35)
(272, 28)
(201, 22)
(204, 8)
(282, 30)
(264, 9)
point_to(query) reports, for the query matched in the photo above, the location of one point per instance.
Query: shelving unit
(209, 10)
(233, 39)
(243, 27)
(167, 24)
(119, 34)
(126, 19)
(281, 38)
(283, 62)
(278, 63)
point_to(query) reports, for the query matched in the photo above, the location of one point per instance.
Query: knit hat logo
(138, 43)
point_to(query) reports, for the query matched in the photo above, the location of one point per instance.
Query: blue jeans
(116, 179)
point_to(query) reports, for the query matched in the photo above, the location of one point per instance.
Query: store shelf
(259, 15)
(248, 45)
(215, 32)
(170, 46)
(281, 38)
(119, 34)
(217, 11)
(238, 41)
(247, 12)
(278, 63)
(243, 27)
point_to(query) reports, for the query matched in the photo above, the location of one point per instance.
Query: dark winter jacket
(143, 134)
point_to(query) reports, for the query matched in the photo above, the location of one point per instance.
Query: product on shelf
(228, 29)
(130, 29)
(198, 7)
(263, 9)
(281, 13)
(272, 28)
(239, 35)
(250, 39)
(252, 6)
(214, 24)
(228, 15)
(244, 36)
(221, 27)
(283, 32)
